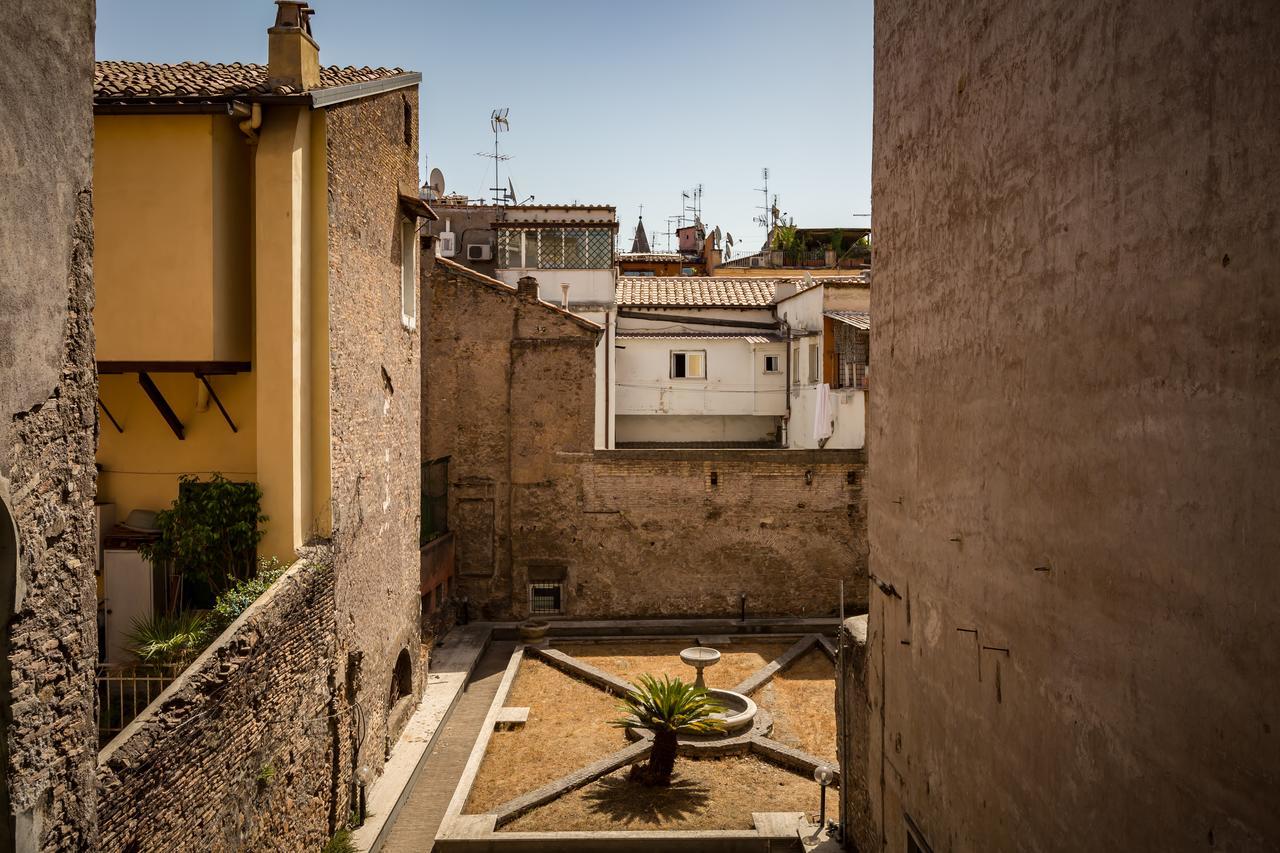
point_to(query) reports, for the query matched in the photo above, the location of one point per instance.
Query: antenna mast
(498, 121)
(765, 219)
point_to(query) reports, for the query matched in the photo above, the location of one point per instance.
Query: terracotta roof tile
(117, 79)
(696, 291)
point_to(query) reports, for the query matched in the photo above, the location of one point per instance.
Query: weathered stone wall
(237, 754)
(48, 389)
(1075, 511)
(374, 418)
(853, 727)
(633, 533)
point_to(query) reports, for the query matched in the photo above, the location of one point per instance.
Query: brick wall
(374, 417)
(512, 403)
(237, 753)
(48, 419)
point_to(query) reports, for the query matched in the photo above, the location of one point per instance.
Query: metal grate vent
(546, 597)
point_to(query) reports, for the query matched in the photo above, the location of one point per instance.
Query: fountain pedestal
(700, 657)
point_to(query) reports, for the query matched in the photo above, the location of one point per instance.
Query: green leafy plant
(669, 708)
(165, 639)
(786, 239)
(236, 600)
(340, 843)
(211, 532)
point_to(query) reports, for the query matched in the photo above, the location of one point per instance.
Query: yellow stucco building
(211, 188)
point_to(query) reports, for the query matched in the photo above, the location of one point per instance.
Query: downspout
(251, 120)
(608, 380)
(786, 390)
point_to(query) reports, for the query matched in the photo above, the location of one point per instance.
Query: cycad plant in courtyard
(668, 708)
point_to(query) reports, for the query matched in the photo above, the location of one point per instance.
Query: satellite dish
(436, 182)
(808, 281)
(728, 238)
(511, 188)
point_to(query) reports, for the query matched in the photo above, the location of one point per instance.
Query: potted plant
(533, 630)
(668, 708)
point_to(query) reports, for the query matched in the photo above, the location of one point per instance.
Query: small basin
(739, 711)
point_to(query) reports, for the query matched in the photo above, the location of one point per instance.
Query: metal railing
(124, 692)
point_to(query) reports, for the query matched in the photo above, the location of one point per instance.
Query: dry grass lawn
(567, 728)
(718, 793)
(802, 699)
(662, 657)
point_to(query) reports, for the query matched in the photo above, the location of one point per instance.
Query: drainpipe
(608, 380)
(251, 120)
(786, 390)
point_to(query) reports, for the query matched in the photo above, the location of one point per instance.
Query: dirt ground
(567, 728)
(802, 699)
(662, 657)
(718, 793)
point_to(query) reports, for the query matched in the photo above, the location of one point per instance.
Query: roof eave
(223, 105)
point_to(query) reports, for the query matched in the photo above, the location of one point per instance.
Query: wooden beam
(221, 408)
(161, 404)
(209, 368)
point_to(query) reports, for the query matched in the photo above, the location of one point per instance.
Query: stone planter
(533, 630)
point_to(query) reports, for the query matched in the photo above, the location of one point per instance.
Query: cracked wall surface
(1073, 507)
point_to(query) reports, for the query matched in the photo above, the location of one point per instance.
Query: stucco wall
(374, 389)
(511, 403)
(47, 428)
(237, 754)
(1074, 506)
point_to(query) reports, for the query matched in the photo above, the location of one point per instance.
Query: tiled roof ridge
(122, 78)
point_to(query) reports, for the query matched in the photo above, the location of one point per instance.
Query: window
(545, 597)
(555, 248)
(435, 499)
(852, 352)
(689, 365)
(795, 365)
(408, 273)
(771, 364)
(815, 368)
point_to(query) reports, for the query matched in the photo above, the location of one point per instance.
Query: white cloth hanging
(823, 420)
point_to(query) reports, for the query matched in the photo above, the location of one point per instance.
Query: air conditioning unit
(757, 261)
(448, 244)
(447, 241)
(479, 252)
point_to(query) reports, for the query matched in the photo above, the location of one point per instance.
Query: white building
(729, 361)
(569, 250)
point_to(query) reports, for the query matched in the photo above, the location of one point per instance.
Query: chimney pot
(527, 288)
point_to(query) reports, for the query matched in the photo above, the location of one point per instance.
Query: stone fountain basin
(739, 711)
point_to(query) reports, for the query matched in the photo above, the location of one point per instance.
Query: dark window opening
(546, 597)
(408, 123)
(401, 678)
(435, 499)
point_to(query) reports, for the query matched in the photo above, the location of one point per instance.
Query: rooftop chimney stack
(293, 57)
(527, 288)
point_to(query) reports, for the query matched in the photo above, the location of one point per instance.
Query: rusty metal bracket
(161, 404)
(110, 417)
(222, 408)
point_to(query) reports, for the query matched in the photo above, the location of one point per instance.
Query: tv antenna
(768, 213)
(679, 223)
(498, 121)
(693, 202)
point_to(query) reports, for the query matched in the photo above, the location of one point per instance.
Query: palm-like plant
(669, 708)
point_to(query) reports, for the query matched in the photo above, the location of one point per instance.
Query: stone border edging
(765, 674)
(580, 669)
(481, 746)
(579, 778)
(791, 759)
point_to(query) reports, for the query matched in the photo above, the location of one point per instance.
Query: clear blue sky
(611, 102)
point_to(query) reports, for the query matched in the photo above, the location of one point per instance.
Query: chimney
(783, 289)
(293, 57)
(564, 298)
(527, 288)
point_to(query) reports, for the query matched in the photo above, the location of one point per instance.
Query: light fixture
(824, 776)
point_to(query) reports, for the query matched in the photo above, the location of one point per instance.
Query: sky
(622, 103)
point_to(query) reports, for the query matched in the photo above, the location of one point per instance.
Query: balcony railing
(124, 692)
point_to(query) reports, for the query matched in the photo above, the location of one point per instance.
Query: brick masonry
(48, 391)
(238, 753)
(374, 419)
(639, 533)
